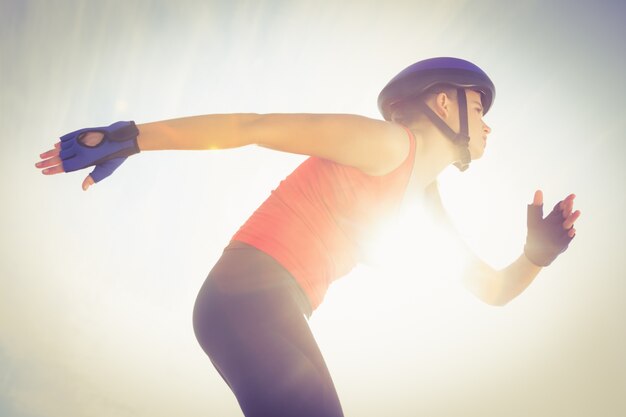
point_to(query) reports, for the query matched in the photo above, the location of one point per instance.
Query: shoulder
(383, 146)
(373, 146)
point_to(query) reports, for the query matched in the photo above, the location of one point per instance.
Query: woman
(250, 314)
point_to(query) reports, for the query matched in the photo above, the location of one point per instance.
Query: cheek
(475, 125)
(474, 122)
(477, 148)
(477, 143)
(454, 120)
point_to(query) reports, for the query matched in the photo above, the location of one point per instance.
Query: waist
(262, 270)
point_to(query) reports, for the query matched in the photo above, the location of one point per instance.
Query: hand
(566, 205)
(549, 237)
(105, 147)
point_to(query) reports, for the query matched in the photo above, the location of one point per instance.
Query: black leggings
(250, 320)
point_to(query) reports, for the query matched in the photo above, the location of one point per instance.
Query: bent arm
(498, 287)
(551, 237)
(373, 146)
(494, 287)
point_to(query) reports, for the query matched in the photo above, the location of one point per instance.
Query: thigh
(254, 331)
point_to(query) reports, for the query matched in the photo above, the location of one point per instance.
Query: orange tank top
(316, 220)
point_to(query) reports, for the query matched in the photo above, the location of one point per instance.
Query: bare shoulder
(376, 147)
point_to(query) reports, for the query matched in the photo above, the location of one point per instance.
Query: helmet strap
(461, 139)
(466, 158)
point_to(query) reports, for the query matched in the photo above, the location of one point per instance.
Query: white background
(97, 288)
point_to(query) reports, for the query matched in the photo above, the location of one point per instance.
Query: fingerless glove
(119, 141)
(546, 238)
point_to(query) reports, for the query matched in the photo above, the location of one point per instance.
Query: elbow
(490, 288)
(249, 128)
(498, 299)
(492, 298)
(498, 302)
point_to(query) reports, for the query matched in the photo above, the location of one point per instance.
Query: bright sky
(97, 288)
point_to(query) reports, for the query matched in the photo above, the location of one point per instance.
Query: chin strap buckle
(462, 142)
(464, 159)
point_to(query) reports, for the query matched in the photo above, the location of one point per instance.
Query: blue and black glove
(546, 238)
(118, 142)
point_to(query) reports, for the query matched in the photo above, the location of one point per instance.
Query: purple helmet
(418, 78)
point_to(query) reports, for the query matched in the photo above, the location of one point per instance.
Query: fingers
(567, 205)
(52, 152)
(51, 161)
(57, 169)
(52, 165)
(88, 182)
(48, 162)
(571, 219)
(538, 198)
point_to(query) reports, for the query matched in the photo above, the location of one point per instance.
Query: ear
(442, 105)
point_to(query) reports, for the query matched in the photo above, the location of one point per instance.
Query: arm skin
(373, 146)
(498, 287)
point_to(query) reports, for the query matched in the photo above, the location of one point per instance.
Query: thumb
(106, 168)
(535, 211)
(88, 182)
(538, 199)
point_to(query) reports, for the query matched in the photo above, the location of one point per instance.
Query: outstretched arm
(373, 146)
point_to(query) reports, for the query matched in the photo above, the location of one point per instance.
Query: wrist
(142, 138)
(530, 263)
(156, 136)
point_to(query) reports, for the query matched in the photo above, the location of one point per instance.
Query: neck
(433, 153)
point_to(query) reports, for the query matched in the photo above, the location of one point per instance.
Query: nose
(486, 128)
